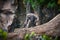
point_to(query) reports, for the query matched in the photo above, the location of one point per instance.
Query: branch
(51, 28)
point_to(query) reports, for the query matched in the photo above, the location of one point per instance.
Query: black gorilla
(30, 20)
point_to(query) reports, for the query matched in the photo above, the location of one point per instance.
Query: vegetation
(3, 35)
(52, 8)
(33, 36)
(49, 3)
(39, 5)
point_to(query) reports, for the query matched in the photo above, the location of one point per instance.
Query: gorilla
(31, 20)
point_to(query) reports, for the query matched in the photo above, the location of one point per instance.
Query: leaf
(4, 35)
(26, 37)
(1, 30)
(32, 34)
(51, 4)
(45, 37)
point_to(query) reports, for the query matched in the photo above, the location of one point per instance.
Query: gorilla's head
(6, 18)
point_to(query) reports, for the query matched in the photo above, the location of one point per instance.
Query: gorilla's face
(6, 19)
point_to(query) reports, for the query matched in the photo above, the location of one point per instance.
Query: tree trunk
(28, 7)
(51, 28)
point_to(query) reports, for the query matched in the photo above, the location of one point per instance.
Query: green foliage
(42, 37)
(1, 31)
(28, 36)
(59, 9)
(3, 34)
(45, 37)
(50, 3)
(32, 34)
(41, 2)
(33, 3)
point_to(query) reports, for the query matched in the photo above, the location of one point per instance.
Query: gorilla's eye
(7, 12)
